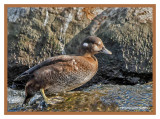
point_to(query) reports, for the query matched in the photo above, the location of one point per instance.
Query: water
(99, 97)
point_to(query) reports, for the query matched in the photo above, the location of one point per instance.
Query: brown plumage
(64, 73)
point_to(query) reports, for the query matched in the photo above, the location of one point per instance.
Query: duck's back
(66, 72)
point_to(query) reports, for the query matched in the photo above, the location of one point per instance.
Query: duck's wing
(52, 60)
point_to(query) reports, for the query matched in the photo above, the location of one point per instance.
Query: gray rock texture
(35, 34)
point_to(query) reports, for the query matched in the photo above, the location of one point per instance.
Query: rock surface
(96, 98)
(34, 34)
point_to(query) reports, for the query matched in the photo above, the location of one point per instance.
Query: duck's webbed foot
(53, 100)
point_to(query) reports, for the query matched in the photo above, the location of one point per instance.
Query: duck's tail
(20, 81)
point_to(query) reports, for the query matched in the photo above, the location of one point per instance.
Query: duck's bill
(105, 51)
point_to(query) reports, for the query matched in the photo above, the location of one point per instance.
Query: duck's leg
(53, 100)
(44, 96)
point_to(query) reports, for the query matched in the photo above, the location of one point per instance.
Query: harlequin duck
(65, 72)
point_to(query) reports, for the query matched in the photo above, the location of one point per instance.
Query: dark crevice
(13, 72)
(127, 78)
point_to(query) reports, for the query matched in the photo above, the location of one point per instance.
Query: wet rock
(15, 96)
(96, 98)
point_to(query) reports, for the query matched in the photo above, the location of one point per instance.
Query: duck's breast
(83, 71)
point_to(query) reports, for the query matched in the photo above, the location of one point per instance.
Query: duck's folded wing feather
(52, 60)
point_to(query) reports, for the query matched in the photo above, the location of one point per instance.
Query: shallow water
(99, 97)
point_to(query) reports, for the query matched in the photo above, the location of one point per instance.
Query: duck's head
(93, 45)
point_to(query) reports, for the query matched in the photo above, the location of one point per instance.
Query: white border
(157, 2)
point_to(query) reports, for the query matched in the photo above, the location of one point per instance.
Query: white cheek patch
(85, 44)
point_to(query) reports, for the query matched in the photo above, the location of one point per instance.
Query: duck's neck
(89, 55)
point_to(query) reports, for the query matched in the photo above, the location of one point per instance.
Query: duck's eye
(85, 44)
